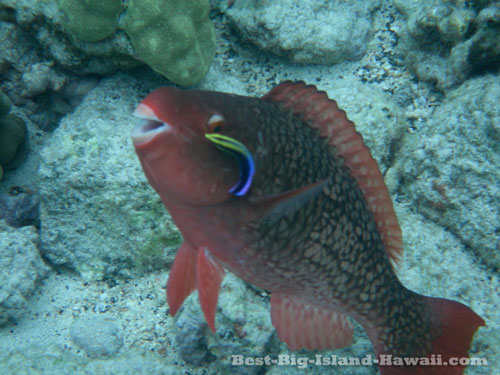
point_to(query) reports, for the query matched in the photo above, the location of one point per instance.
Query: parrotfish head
(178, 143)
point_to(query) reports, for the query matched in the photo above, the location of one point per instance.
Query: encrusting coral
(175, 38)
(91, 20)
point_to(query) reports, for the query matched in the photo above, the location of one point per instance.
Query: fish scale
(316, 227)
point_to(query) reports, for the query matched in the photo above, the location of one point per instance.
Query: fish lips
(149, 127)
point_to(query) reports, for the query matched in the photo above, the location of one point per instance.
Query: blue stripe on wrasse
(244, 158)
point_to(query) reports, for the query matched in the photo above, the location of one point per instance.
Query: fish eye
(215, 123)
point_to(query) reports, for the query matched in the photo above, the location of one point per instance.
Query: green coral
(175, 37)
(12, 133)
(91, 20)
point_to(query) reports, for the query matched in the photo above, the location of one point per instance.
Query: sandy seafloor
(436, 264)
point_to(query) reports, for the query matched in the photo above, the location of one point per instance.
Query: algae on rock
(99, 216)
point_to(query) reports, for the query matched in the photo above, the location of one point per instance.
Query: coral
(12, 134)
(175, 38)
(91, 20)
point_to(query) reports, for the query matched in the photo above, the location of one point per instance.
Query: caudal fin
(457, 324)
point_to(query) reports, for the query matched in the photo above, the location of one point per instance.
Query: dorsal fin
(317, 110)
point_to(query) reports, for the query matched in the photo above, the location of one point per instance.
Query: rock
(446, 43)
(97, 336)
(98, 214)
(20, 208)
(13, 136)
(21, 268)
(4, 104)
(451, 167)
(44, 89)
(44, 22)
(191, 339)
(484, 50)
(338, 31)
(378, 118)
(240, 330)
(39, 78)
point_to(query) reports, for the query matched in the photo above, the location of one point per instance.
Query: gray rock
(378, 118)
(99, 215)
(97, 336)
(40, 61)
(447, 42)
(243, 327)
(39, 78)
(191, 338)
(313, 31)
(451, 167)
(20, 209)
(20, 269)
(42, 89)
(44, 22)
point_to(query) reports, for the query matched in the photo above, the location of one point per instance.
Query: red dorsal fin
(209, 275)
(322, 113)
(302, 325)
(182, 279)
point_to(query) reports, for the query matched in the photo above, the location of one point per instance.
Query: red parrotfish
(282, 191)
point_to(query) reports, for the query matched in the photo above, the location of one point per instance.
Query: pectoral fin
(274, 206)
(209, 275)
(182, 279)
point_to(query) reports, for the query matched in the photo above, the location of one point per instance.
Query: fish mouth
(149, 127)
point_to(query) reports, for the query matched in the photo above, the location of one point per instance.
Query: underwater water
(86, 244)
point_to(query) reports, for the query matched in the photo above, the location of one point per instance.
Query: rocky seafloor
(82, 284)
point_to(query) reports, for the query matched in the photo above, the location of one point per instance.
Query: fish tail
(455, 325)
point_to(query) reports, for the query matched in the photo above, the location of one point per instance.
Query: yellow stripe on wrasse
(242, 156)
